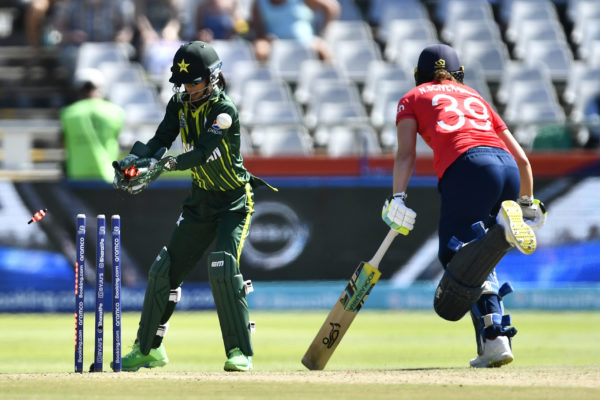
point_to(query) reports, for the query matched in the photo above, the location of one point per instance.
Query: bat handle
(385, 245)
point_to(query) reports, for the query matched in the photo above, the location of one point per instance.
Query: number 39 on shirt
(470, 111)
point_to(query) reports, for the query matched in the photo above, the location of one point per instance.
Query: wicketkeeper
(482, 170)
(218, 207)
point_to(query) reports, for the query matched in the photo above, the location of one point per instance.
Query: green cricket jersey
(91, 129)
(212, 154)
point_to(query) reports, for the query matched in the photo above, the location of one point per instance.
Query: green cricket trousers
(206, 216)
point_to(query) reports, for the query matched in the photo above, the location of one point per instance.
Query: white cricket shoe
(517, 232)
(496, 353)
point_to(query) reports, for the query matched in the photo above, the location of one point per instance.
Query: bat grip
(385, 245)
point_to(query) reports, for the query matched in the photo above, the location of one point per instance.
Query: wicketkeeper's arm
(167, 131)
(208, 141)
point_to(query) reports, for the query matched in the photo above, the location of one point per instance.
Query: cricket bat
(344, 311)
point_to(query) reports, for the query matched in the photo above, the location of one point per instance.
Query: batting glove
(534, 212)
(399, 217)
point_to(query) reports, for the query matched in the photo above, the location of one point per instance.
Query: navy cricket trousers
(471, 190)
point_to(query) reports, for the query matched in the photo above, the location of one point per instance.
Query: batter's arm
(404, 161)
(518, 153)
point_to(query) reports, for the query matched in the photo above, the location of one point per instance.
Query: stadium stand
(352, 57)
(282, 141)
(380, 74)
(312, 71)
(536, 61)
(286, 57)
(352, 140)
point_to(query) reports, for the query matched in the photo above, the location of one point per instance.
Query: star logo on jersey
(183, 66)
(440, 64)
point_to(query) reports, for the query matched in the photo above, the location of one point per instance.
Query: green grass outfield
(384, 355)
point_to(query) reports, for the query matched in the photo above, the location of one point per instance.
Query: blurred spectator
(219, 19)
(91, 126)
(158, 22)
(80, 21)
(36, 14)
(291, 19)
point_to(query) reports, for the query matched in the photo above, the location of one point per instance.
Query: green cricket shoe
(135, 360)
(237, 361)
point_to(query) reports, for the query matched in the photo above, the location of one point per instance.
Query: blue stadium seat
(460, 12)
(381, 73)
(492, 56)
(272, 112)
(590, 33)
(339, 30)
(401, 31)
(524, 11)
(537, 30)
(406, 53)
(328, 91)
(345, 141)
(117, 72)
(385, 104)
(91, 54)
(553, 54)
(262, 90)
(287, 55)
(581, 75)
(312, 71)
(475, 78)
(233, 51)
(383, 12)
(280, 141)
(518, 73)
(248, 71)
(353, 58)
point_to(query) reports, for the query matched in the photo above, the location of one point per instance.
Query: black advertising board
(304, 231)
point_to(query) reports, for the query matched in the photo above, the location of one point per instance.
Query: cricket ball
(223, 121)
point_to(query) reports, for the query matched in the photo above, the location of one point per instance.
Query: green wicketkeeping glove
(134, 174)
(149, 169)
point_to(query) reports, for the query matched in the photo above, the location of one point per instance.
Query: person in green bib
(91, 127)
(218, 208)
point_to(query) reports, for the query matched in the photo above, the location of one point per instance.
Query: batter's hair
(441, 75)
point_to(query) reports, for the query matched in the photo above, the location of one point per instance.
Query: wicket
(99, 309)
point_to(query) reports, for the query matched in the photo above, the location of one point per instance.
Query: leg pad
(452, 300)
(158, 293)
(461, 284)
(229, 292)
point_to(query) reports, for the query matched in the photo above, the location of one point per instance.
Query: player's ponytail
(441, 75)
(222, 82)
